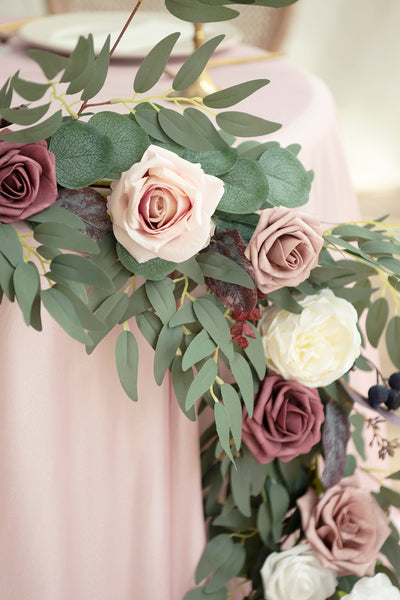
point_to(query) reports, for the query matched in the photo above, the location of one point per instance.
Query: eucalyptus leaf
(240, 483)
(215, 554)
(245, 188)
(10, 246)
(181, 381)
(376, 320)
(138, 303)
(222, 423)
(214, 162)
(50, 62)
(126, 358)
(284, 299)
(184, 315)
(154, 64)
(78, 60)
(80, 81)
(78, 268)
(27, 291)
(233, 408)
(255, 353)
(98, 72)
(195, 11)
(150, 326)
(6, 277)
(207, 128)
(244, 125)
(392, 340)
(242, 373)
(29, 90)
(214, 322)
(83, 154)
(182, 130)
(154, 269)
(226, 572)
(62, 311)
(62, 236)
(109, 312)
(36, 133)
(196, 63)
(25, 116)
(57, 214)
(167, 344)
(234, 94)
(147, 119)
(199, 348)
(161, 297)
(6, 93)
(221, 267)
(202, 382)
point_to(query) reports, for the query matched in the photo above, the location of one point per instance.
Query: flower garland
(250, 306)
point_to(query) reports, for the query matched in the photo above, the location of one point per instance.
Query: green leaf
(138, 303)
(161, 297)
(35, 133)
(10, 245)
(62, 311)
(6, 93)
(201, 594)
(230, 569)
(388, 497)
(395, 475)
(183, 315)
(83, 154)
(50, 62)
(391, 550)
(86, 318)
(208, 130)
(126, 359)
(150, 326)
(245, 186)
(154, 64)
(376, 247)
(234, 94)
(155, 269)
(356, 232)
(214, 162)
(62, 236)
(109, 312)
(264, 523)
(78, 268)
(181, 381)
(167, 344)
(240, 482)
(78, 60)
(392, 340)
(98, 72)
(199, 348)
(6, 277)
(147, 119)
(234, 409)
(215, 554)
(350, 466)
(214, 322)
(129, 141)
(80, 81)
(222, 423)
(57, 214)
(284, 299)
(195, 11)
(357, 434)
(377, 316)
(244, 125)
(27, 291)
(221, 267)
(182, 130)
(192, 269)
(24, 116)
(279, 503)
(28, 89)
(195, 64)
(242, 373)
(255, 353)
(289, 183)
(202, 382)
(391, 264)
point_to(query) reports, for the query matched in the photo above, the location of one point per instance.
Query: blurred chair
(261, 26)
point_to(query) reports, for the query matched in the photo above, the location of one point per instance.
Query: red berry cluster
(242, 328)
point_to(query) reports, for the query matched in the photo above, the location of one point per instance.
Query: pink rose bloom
(345, 527)
(284, 248)
(286, 422)
(27, 180)
(162, 207)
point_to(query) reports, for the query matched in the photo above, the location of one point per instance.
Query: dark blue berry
(394, 381)
(377, 394)
(393, 402)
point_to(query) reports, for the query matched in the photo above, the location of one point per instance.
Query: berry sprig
(382, 394)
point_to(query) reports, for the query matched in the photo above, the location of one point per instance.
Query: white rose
(296, 574)
(316, 346)
(378, 587)
(162, 207)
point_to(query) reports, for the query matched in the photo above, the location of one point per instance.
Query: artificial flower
(27, 180)
(371, 588)
(345, 527)
(284, 248)
(314, 347)
(162, 207)
(296, 574)
(286, 422)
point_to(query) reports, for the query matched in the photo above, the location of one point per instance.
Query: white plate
(60, 32)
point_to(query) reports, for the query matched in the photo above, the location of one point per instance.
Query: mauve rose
(284, 248)
(345, 527)
(27, 180)
(162, 207)
(286, 422)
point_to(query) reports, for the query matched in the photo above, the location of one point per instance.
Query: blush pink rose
(345, 527)
(284, 248)
(162, 207)
(286, 422)
(27, 180)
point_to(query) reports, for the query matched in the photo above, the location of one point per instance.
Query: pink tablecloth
(101, 498)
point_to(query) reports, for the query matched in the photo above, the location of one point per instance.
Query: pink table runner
(101, 498)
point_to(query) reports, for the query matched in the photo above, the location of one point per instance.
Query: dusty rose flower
(284, 248)
(345, 527)
(286, 422)
(27, 180)
(162, 207)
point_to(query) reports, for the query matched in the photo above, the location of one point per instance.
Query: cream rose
(162, 207)
(373, 588)
(296, 574)
(316, 346)
(284, 248)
